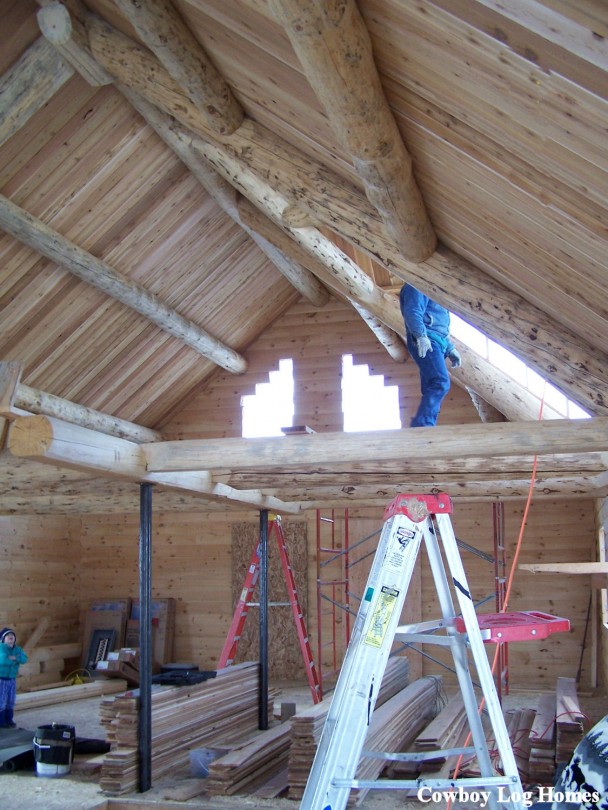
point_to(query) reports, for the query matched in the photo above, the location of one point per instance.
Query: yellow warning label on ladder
(387, 601)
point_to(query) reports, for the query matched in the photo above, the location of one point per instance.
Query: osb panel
(284, 653)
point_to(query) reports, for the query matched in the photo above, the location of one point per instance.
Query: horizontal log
(55, 442)
(18, 399)
(468, 441)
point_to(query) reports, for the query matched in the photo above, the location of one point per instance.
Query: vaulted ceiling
(175, 174)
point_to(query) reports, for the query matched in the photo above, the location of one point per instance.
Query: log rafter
(334, 47)
(34, 233)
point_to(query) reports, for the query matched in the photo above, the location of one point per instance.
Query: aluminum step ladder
(408, 520)
(241, 611)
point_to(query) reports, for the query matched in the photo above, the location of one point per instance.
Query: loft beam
(438, 442)
(51, 441)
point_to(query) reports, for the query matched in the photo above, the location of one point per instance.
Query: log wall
(39, 576)
(315, 339)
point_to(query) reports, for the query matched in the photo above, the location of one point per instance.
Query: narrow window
(506, 361)
(271, 407)
(367, 403)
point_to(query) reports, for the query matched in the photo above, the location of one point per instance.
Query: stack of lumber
(541, 763)
(251, 764)
(306, 726)
(445, 731)
(568, 719)
(519, 725)
(52, 697)
(123, 663)
(218, 712)
(394, 726)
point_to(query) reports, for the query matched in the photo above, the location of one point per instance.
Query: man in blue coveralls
(427, 326)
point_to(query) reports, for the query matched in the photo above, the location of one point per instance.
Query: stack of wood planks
(568, 719)
(556, 731)
(447, 730)
(263, 759)
(219, 712)
(519, 725)
(53, 697)
(306, 726)
(541, 763)
(394, 726)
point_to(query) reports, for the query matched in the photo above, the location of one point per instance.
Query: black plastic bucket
(54, 749)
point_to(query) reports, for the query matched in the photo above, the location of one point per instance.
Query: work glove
(455, 358)
(423, 345)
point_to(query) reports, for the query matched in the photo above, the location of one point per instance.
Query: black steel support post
(263, 586)
(145, 638)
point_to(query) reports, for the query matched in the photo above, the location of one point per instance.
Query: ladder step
(435, 784)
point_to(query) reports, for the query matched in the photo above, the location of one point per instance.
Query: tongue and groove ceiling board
(500, 111)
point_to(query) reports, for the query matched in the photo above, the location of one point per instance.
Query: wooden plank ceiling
(175, 174)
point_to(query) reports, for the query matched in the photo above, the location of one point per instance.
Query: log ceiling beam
(164, 32)
(372, 467)
(570, 363)
(67, 34)
(297, 274)
(334, 48)
(51, 441)
(34, 233)
(17, 399)
(498, 440)
(31, 82)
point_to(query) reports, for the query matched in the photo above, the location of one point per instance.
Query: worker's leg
(434, 383)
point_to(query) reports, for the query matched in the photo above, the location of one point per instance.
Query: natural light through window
(511, 365)
(271, 407)
(367, 404)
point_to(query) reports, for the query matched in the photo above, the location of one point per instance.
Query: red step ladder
(244, 603)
